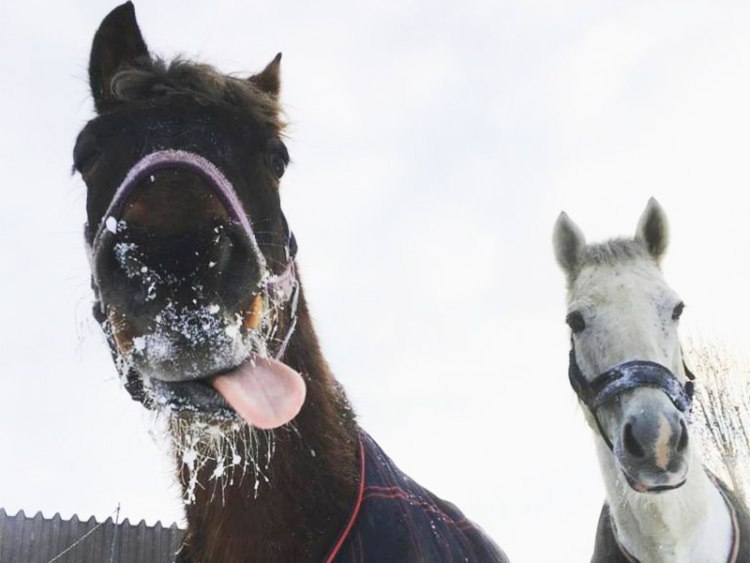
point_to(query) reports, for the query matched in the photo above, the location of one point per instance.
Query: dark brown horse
(193, 269)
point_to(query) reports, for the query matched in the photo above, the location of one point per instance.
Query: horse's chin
(174, 377)
(261, 391)
(193, 399)
(210, 372)
(169, 358)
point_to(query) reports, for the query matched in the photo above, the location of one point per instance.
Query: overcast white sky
(434, 144)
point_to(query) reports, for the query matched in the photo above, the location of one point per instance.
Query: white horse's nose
(653, 446)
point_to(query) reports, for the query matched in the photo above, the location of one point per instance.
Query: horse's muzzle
(652, 448)
(177, 272)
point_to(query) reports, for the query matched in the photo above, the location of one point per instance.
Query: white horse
(627, 368)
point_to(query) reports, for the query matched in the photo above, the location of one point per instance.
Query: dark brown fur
(299, 514)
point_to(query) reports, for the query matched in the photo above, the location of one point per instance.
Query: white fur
(628, 308)
(688, 525)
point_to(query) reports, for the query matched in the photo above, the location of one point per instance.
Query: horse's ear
(117, 42)
(653, 229)
(569, 244)
(269, 79)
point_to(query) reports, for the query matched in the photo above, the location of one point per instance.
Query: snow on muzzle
(260, 388)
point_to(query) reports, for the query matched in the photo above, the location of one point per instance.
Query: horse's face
(620, 309)
(185, 230)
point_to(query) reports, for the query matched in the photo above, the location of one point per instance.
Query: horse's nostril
(631, 444)
(683, 441)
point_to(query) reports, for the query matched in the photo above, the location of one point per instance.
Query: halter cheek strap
(624, 377)
(287, 286)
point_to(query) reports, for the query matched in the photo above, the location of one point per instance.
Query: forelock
(614, 252)
(158, 78)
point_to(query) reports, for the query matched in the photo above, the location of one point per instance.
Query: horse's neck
(305, 497)
(691, 524)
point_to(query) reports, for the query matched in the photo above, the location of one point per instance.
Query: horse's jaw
(689, 524)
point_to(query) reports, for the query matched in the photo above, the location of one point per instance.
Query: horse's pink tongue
(265, 392)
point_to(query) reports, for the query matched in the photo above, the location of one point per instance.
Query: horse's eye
(277, 164)
(677, 311)
(277, 157)
(85, 153)
(575, 322)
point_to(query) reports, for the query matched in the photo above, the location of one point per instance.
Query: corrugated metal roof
(25, 539)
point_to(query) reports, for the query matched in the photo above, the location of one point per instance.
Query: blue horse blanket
(395, 520)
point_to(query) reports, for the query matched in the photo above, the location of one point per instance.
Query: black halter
(624, 377)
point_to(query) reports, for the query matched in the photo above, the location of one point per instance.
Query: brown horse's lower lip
(193, 398)
(189, 398)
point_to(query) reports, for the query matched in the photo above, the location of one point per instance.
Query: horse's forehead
(634, 280)
(182, 117)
